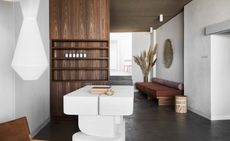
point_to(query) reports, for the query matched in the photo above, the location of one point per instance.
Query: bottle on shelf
(77, 54)
(84, 54)
(81, 54)
(66, 54)
(74, 55)
(70, 55)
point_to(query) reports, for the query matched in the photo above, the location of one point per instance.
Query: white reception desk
(100, 116)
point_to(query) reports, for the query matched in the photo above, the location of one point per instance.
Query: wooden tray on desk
(100, 89)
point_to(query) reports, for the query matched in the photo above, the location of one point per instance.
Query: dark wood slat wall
(79, 19)
(77, 26)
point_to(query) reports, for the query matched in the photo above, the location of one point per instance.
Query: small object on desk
(100, 89)
(109, 92)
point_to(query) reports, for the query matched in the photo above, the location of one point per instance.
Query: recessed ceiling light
(151, 29)
(161, 18)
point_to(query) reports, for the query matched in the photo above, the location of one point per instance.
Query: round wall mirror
(168, 53)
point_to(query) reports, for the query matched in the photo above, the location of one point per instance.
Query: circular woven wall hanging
(168, 53)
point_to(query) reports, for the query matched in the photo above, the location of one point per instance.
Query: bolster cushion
(168, 83)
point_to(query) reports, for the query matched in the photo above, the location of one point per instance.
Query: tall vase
(146, 78)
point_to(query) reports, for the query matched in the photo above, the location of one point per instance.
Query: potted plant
(146, 61)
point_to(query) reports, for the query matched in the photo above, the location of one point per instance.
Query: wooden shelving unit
(80, 48)
(99, 58)
(79, 68)
(69, 74)
(84, 68)
(88, 82)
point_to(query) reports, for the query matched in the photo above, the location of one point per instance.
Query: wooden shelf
(80, 48)
(82, 68)
(79, 40)
(100, 58)
(81, 81)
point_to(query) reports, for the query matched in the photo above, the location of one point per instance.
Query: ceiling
(140, 15)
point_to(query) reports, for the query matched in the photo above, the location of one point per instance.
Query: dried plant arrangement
(146, 61)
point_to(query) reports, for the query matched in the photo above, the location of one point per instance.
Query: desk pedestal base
(119, 136)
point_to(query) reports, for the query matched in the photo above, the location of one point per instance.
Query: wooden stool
(181, 104)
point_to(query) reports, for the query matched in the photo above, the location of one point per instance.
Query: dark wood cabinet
(79, 40)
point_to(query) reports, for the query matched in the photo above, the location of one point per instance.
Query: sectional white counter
(100, 116)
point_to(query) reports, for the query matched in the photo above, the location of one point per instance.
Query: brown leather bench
(15, 130)
(164, 90)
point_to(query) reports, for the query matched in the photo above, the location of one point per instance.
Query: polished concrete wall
(199, 14)
(173, 30)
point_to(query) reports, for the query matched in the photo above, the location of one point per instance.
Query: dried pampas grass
(146, 61)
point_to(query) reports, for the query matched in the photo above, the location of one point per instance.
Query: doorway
(120, 54)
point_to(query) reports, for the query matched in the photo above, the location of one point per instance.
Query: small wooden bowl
(109, 92)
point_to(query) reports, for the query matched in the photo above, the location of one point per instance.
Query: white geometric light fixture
(29, 59)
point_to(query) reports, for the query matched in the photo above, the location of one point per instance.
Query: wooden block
(164, 101)
(100, 89)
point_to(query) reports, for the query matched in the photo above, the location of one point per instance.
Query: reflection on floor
(152, 123)
(120, 80)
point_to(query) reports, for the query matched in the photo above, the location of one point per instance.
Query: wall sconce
(29, 59)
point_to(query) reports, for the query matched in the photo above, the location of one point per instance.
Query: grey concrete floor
(152, 123)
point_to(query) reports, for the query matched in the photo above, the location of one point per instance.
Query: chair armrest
(37, 140)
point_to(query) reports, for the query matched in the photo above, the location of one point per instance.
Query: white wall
(220, 76)
(197, 15)
(173, 30)
(7, 104)
(140, 42)
(22, 98)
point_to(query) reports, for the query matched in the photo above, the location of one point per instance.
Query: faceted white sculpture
(29, 59)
